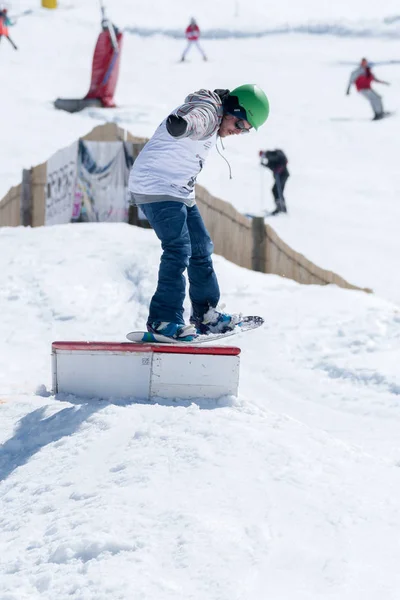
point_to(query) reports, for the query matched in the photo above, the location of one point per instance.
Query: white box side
(103, 375)
(194, 376)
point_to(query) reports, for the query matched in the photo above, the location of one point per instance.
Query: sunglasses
(240, 124)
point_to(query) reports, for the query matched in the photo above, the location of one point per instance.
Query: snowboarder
(5, 23)
(162, 183)
(362, 77)
(192, 34)
(277, 161)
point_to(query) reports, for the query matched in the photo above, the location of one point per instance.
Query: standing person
(162, 182)
(5, 23)
(277, 161)
(362, 77)
(192, 34)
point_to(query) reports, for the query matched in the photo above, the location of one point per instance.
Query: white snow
(290, 490)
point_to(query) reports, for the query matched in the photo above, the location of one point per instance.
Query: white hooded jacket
(167, 167)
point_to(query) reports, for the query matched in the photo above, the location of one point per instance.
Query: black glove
(176, 126)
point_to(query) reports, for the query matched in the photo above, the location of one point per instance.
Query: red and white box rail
(144, 371)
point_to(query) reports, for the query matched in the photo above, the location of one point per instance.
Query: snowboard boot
(215, 321)
(177, 331)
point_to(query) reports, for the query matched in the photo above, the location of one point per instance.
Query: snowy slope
(278, 492)
(289, 490)
(344, 185)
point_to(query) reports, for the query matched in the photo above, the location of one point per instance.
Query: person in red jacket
(362, 77)
(192, 34)
(5, 22)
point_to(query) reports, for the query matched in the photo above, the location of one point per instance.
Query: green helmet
(254, 103)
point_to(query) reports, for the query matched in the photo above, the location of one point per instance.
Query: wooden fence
(248, 243)
(10, 208)
(255, 245)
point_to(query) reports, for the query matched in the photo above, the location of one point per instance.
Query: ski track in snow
(386, 28)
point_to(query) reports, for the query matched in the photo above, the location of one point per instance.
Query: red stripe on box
(131, 347)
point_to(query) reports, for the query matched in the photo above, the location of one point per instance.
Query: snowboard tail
(146, 337)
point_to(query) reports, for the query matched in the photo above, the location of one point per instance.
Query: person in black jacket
(276, 160)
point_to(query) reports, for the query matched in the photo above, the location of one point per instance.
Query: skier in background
(362, 77)
(277, 161)
(5, 23)
(162, 182)
(192, 34)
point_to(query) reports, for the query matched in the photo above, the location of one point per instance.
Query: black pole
(11, 42)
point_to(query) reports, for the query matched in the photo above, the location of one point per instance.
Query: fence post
(133, 215)
(259, 244)
(26, 198)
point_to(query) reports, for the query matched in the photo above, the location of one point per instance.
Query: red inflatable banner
(105, 68)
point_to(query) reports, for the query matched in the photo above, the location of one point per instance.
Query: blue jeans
(186, 244)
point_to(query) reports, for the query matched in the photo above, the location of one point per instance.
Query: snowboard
(385, 115)
(145, 337)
